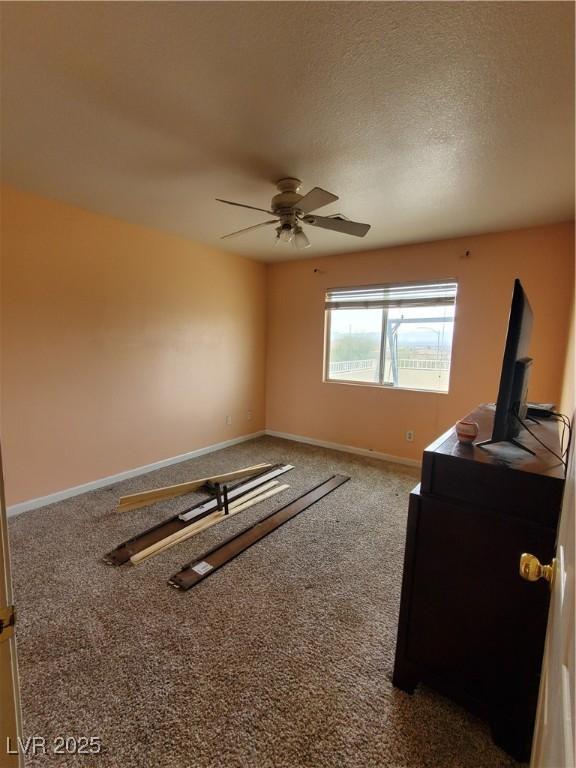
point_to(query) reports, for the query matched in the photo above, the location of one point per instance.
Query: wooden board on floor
(123, 552)
(244, 502)
(143, 498)
(199, 569)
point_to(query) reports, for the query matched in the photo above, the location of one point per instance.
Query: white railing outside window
(423, 364)
(345, 366)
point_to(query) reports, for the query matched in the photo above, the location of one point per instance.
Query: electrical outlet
(249, 415)
(228, 419)
(410, 435)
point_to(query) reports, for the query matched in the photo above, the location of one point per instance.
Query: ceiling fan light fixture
(300, 239)
(286, 233)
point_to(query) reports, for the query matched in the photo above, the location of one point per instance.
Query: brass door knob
(532, 569)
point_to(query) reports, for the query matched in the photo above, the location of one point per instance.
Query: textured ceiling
(429, 120)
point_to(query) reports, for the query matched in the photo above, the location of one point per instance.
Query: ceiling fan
(292, 210)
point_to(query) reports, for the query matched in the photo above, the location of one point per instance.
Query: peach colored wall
(121, 345)
(299, 403)
(568, 399)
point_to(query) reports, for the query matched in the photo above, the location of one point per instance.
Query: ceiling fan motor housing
(287, 196)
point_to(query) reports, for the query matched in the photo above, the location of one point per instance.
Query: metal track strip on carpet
(199, 569)
(123, 552)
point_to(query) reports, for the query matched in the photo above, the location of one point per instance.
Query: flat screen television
(511, 404)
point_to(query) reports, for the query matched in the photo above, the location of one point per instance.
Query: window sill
(387, 387)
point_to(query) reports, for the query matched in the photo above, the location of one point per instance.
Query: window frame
(381, 384)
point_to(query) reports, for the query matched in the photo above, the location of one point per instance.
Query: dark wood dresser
(469, 626)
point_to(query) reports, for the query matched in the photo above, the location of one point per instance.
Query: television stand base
(512, 441)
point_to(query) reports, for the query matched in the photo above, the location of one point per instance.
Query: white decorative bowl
(467, 431)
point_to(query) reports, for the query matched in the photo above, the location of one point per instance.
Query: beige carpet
(282, 659)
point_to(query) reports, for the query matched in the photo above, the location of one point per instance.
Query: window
(391, 335)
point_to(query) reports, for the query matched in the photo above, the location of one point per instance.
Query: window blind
(388, 296)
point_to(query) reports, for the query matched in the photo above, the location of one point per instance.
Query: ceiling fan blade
(337, 224)
(241, 205)
(315, 199)
(247, 229)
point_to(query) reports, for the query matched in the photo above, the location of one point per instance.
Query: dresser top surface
(505, 454)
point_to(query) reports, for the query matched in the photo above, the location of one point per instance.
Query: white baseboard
(67, 493)
(346, 448)
(42, 501)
